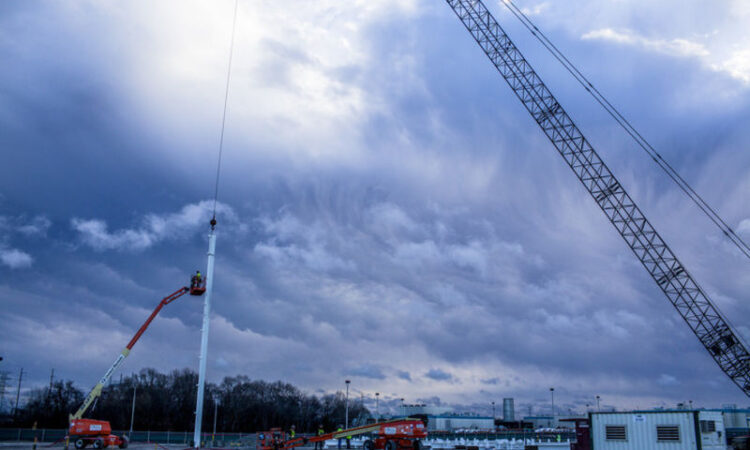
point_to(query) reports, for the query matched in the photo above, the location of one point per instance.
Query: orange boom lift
(98, 433)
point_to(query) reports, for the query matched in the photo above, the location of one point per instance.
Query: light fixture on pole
(347, 404)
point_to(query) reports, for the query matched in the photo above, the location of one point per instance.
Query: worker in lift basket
(321, 432)
(197, 279)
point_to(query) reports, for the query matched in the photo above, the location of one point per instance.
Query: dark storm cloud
(441, 239)
(366, 371)
(438, 375)
(404, 375)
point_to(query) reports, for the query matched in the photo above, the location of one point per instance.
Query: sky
(388, 212)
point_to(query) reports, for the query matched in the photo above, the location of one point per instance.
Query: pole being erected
(204, 334)
(211, 252)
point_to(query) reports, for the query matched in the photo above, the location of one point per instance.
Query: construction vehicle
(98, 433)
(683, 292)
(392, 435)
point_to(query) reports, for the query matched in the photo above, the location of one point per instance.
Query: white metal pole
(204, 336)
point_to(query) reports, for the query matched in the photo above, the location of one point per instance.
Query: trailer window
(667, 433)
(708, 426)
(615, 433)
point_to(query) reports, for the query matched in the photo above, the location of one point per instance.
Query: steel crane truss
(673, 279)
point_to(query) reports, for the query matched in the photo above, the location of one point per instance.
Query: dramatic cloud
(438, 375)
(744, 227)
(155, 228)
(367, 371)
(388, 212)
(15, 259)
(674, 47)
(14, 227)
(404, 375)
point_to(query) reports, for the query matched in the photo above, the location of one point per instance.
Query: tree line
(167, 402)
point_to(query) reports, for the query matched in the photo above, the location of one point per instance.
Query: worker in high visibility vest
(196, 280)
(321, 432)
(292, 432)
(341, 428)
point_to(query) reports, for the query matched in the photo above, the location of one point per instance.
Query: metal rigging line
(629, 128)
(224, 115)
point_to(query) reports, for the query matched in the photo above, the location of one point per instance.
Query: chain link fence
(50, 435)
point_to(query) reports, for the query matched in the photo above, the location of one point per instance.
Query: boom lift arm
(690, 300)
(406, 433)
(97, 390)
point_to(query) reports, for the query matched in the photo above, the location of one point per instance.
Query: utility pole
(18, 392)
(4, 378)
(51, 381)
(346, 417)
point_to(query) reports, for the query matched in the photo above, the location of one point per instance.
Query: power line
(629, 129)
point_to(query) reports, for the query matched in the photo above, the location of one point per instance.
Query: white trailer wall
(665, 430)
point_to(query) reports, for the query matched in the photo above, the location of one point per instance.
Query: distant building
(540, 421)
(421, 408)
(644, 430)
(448, 422)
(440, 418)
(561, 421)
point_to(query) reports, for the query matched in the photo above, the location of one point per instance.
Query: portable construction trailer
(665, 430)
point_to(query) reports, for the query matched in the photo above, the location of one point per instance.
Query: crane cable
(224, 116)
(629, 129)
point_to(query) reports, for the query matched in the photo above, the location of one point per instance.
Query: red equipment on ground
(392, 435)
(98, 433)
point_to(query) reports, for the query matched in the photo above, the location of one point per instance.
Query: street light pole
(377, 407)
(493, 414)
(597, 404)
(552, 395)
(132, 411)
(403, 408)
(347, 404)
(216, 411)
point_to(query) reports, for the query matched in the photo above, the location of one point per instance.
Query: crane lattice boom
(673, 279)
